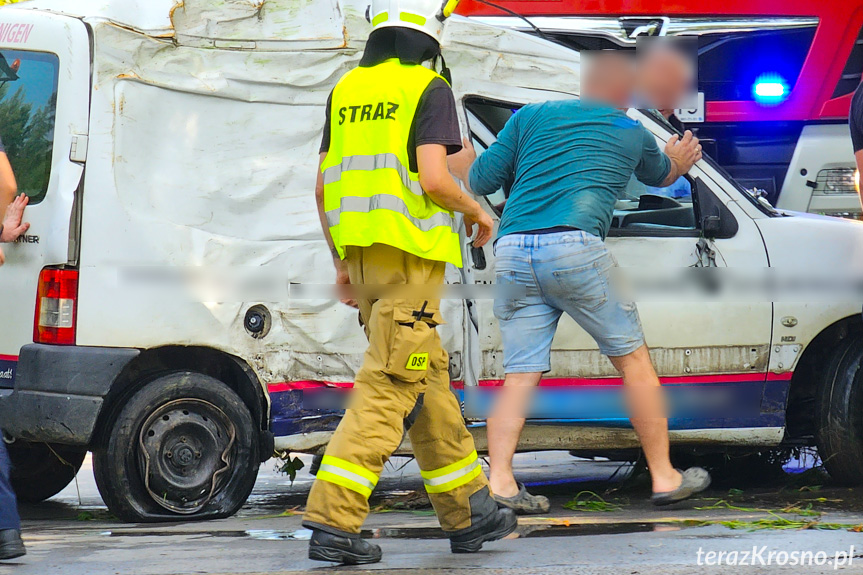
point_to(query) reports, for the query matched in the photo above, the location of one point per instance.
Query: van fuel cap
(257, 321)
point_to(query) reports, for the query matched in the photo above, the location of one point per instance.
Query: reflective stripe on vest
(369, 163)
(362, 205)
(371, 192)
(454, 475)
(348, 475)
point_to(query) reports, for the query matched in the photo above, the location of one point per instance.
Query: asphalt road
(73, 534)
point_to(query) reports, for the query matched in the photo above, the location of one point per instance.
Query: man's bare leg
(504, 429)
(648, 416)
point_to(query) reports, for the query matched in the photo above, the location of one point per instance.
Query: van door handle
(478, 257)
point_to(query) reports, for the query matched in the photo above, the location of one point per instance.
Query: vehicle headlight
(836, 181)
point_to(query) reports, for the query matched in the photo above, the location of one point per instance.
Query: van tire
(839, 414)
(41, 471)
(180, 425)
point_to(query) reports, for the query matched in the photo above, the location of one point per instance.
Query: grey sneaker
(523, 503)
(695, 480)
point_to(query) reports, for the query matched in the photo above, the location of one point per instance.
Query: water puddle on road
(528, 531)
(276, 535)
(523, 531)
(261, 534)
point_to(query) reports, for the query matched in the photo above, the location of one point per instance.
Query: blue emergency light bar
(770, 89)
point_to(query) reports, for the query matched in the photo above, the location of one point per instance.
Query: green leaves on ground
(799, 515)
(290, 466)
(590, 501)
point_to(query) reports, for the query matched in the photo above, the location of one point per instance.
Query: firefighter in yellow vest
(387, 204)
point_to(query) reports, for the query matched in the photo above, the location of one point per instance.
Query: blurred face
(664, 79)
(608, 77)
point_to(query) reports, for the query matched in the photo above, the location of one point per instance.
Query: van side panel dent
(205, 158)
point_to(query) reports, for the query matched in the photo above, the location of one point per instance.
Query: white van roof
(315, 24)
(151, 16)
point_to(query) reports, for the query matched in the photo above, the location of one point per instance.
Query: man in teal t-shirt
(565, 164)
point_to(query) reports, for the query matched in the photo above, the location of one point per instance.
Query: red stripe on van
(565, 381)
(291, 385)
(8, 357)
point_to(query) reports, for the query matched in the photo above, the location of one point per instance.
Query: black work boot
(489, 523)
(11, 545)
(338, 549)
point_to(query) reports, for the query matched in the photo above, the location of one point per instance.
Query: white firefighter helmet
(424, 15)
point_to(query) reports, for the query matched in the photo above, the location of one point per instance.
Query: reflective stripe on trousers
(368, 164)
(348, 475)
(453, 475)
(361, 205)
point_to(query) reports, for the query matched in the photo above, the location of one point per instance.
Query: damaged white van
(167, 139)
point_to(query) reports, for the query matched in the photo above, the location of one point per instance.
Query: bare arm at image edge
(5, 197)
(8, 186)
(858, 155)
(855, 121)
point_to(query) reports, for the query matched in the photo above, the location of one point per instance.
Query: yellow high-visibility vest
(371, 195)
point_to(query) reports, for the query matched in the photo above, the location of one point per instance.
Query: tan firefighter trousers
(403, 382)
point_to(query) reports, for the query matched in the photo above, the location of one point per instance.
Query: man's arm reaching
(683, 153)
(488, 173)
(661, 170)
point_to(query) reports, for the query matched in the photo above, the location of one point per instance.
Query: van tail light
(56, 307)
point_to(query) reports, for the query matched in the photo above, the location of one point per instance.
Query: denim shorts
(562, 272)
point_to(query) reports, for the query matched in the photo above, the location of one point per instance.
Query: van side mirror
(716, 220)
(711, 226)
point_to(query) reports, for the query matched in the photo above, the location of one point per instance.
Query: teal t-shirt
(566, 163)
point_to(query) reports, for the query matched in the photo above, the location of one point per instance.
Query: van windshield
(28, 102)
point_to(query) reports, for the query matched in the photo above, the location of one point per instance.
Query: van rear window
(28, 103)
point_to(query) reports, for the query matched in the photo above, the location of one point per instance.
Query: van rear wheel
(185, 445)
(839, 413)
(41, 470)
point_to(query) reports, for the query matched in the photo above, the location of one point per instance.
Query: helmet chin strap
(447, 9)
(444, 70)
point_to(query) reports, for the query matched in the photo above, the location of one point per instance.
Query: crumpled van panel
(314, 23)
